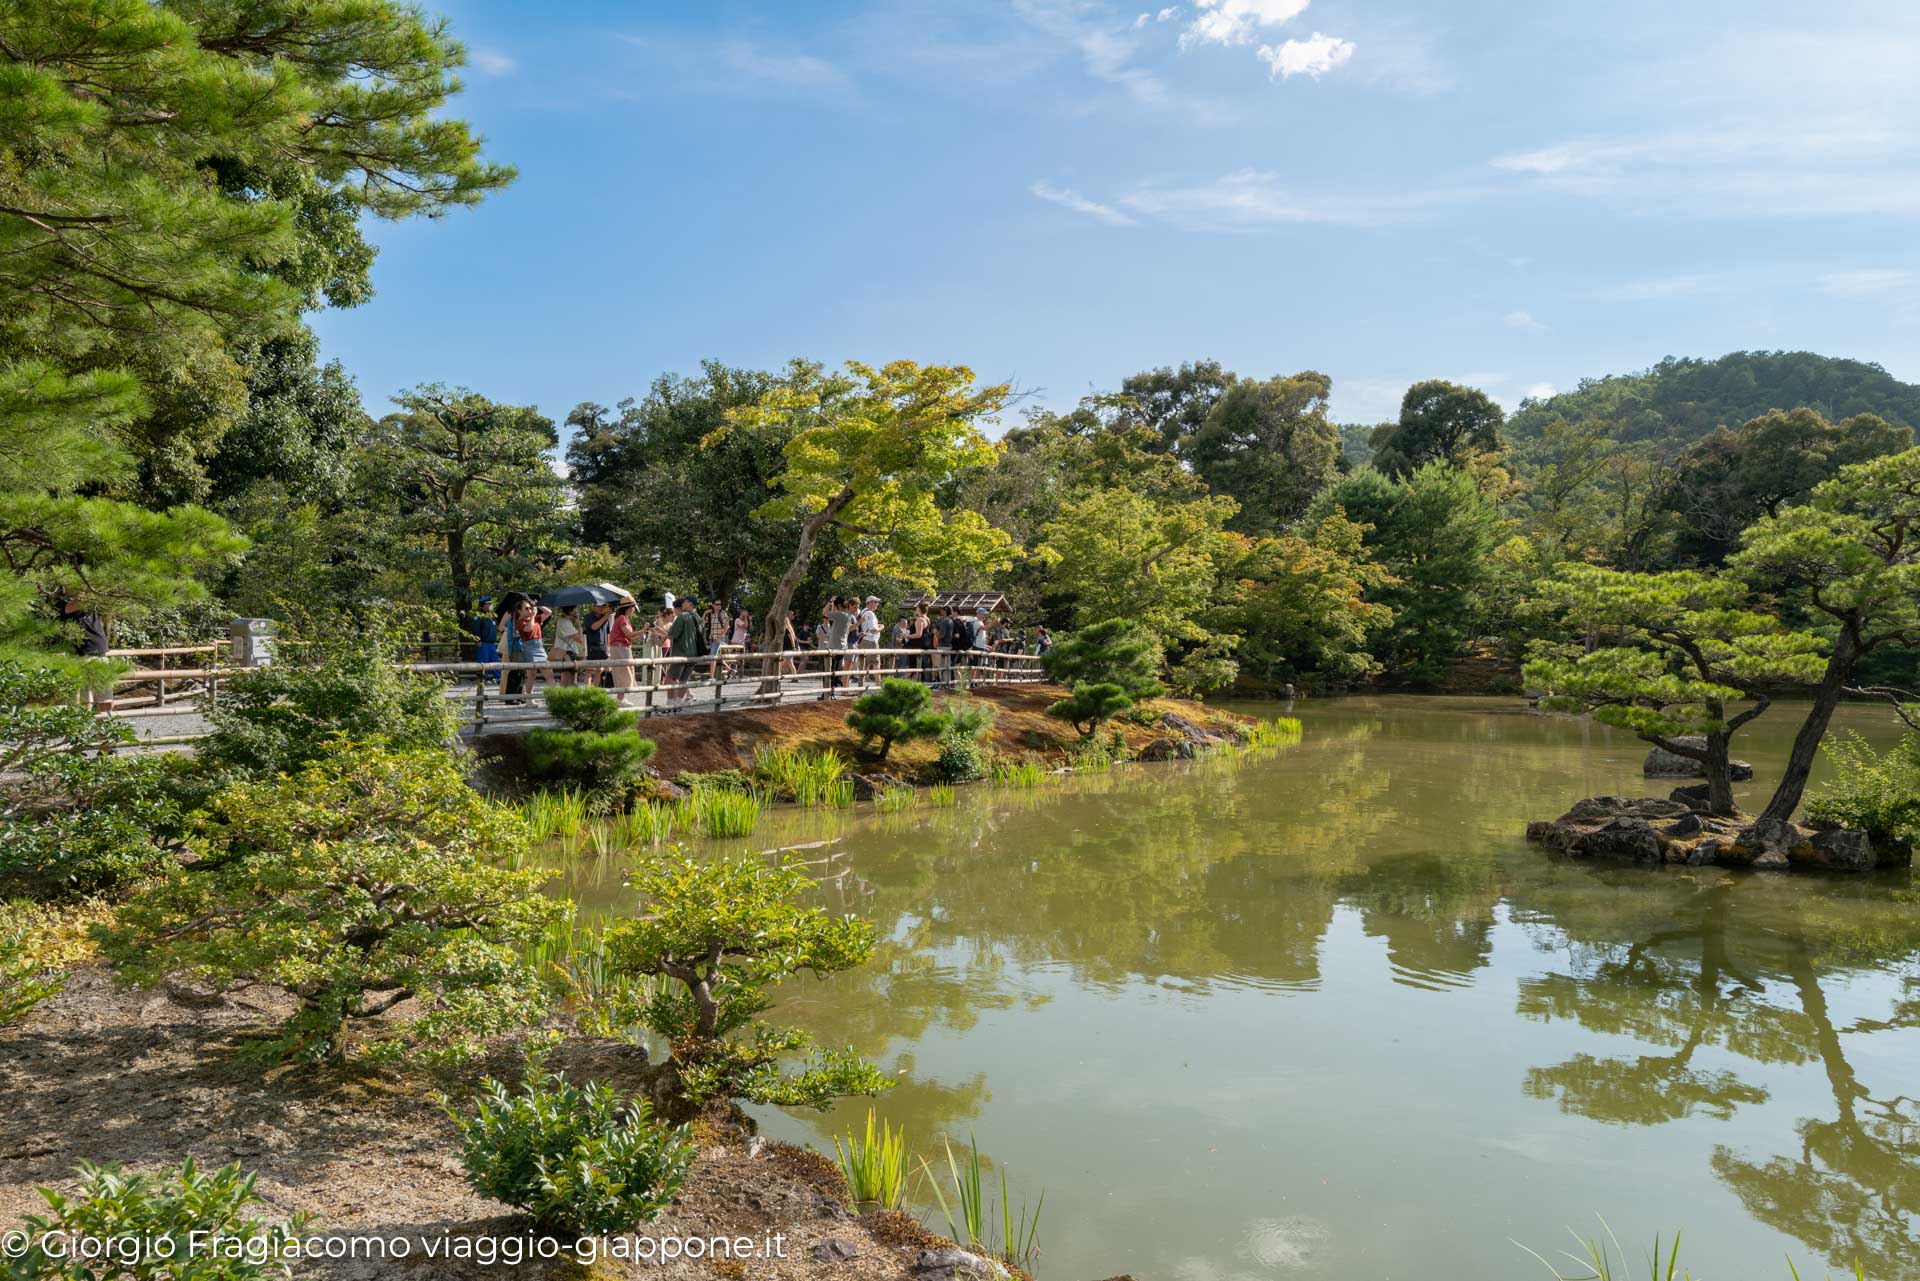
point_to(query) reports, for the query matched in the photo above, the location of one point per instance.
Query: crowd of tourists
(682, 642)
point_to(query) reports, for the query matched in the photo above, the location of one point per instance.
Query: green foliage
(277, 719)
(896, 712)
(895, 797)
(719, 812)
(808, 777)
(471, 482)
(559, 812)
(1877, 793)
(1012, 773)
(1306, 606)
(657, 470)
(1090, 705)
(943, 795)
(179, 185)
(1680, 647)
(25, 981)
(869, 450)
(1606, 1260)
(183, 1226)
(1116, 652)
(581, 1161)
(1434, 532)
(599, 753)
(367, 879)
(970, 1218)
(1122, 555)
(1680, 400)
(725, 932)
(1269, 447)
(963, 755)
(1726, 481)
(719, 780)
(1439, 422)
(74, 821)
(877, 1167)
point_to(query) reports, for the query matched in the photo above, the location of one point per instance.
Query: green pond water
(1326, 1014)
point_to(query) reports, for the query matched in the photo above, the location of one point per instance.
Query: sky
(1058, 193)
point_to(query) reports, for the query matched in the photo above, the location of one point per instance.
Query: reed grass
(969, 1218)
(942, 796)
(555, 813)
(648, 823)
(790, 773)
(1281, 731)
(838, 796)
(896, 797)
(876, 1167)
(719, 812)
(1017, 773)
(1603, 1258)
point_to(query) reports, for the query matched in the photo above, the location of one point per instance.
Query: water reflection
(1328, 1015)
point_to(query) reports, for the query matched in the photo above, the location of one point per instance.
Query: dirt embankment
(1021, 729)
(147, 1080)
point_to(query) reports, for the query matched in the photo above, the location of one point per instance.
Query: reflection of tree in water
(1853, 1190)
(1434, 911)
(1703, 972)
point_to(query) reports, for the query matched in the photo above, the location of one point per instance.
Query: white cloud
(1795, 122)
(1071, 199)
(1107, 52)
(1540, 391)
(1253, 198)
(1312, 57)
(1868, 283)
(1523, 320)
(490, 62)
(1167, 14)
(1232, 22)
(789, 70)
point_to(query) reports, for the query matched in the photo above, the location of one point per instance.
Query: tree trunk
(462, 579)
(1719, 776)
(773, 628)
(1806, 744)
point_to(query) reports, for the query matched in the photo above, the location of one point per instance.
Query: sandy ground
(147, 1079)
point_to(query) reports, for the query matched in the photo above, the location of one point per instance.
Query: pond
(1327, 1015)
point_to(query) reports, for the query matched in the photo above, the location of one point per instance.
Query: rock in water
(943, 1265)
(1661, 763)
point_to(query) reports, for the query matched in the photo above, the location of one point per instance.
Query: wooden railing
(731, 680)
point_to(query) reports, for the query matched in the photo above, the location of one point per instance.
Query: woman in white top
(569, 642)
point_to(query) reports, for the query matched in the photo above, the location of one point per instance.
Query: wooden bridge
(167, 706)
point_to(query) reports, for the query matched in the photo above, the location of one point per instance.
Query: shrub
(599, 751)
(142, 1211)
(277, 719)
(963, 753)
(37, 944)
(1878, 794)
(1090, 705)
(365, 880)
(25, 981)
(725, 932)
(897, 711)
(720, 780)
(74, 821)
(580, 1161)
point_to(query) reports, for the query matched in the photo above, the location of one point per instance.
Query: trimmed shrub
(75, 821)
(580, 1161)
(897, 711)
(725, 933)
(370, 878)
(599, 752)
(143, 1210)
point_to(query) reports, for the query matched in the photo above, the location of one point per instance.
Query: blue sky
(1061, 192)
